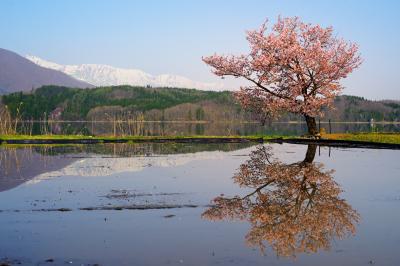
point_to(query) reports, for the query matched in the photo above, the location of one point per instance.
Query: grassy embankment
(78, 137)
(392, 138)
(44, 139)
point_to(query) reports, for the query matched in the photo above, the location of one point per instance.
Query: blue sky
(171, 36)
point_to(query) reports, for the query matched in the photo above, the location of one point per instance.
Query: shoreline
(345, 140)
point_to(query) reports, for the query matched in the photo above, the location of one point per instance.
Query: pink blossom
(293, 67)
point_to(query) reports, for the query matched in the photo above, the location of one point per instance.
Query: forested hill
(170, 104)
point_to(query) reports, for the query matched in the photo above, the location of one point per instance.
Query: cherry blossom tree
(294, 67)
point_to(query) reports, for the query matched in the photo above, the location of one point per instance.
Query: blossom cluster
(294, 67)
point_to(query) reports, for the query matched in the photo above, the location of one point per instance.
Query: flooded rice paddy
(198, 204)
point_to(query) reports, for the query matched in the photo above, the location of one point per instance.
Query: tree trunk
(310, 155)
(311, 125)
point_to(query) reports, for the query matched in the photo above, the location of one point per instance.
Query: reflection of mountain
(33, 164)
(19, 165)
(295, 208)
(100, 166)
(134, 158)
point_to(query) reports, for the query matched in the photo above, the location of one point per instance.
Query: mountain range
(20, 74)
(105, 75)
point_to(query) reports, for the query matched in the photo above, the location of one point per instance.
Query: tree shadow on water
(294, 208)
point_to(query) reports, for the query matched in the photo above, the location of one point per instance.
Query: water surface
(182, 204)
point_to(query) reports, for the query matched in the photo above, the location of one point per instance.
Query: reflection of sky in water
(369, 178)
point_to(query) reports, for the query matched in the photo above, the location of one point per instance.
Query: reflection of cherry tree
(294, 207)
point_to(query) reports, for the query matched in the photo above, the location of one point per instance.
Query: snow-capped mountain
(19, 74)
(105, 75)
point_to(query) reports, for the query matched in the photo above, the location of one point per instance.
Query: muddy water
(230, 204)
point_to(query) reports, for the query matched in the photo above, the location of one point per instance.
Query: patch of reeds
(127, 125)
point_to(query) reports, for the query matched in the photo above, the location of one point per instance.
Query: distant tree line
(169, 104)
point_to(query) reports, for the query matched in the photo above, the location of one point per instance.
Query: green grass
(392, 138)
(27, 137)
(79, 137)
